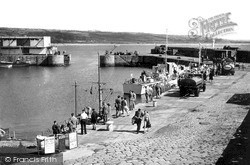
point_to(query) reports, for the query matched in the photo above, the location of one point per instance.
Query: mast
(199, 55)
(99, 85)
(166, 46)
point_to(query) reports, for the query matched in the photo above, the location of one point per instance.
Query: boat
(20, 63)
(163, 75)
(6, 64)
(17, 63)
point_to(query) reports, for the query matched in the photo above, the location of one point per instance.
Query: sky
(146, 16)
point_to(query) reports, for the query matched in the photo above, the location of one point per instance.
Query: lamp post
(75, 85)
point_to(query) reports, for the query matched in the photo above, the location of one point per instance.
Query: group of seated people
(126, 53)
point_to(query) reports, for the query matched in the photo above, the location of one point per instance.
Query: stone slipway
(184, 130)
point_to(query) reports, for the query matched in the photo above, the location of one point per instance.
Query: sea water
(31, 98)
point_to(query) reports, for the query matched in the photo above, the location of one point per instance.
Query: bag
(148, 125)
(133, 120)
(120, 112)
(116, 105)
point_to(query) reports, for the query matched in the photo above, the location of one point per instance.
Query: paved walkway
(192, 130)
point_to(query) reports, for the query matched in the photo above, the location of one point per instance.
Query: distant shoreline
(156, 44)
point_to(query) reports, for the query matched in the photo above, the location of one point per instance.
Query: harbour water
(31, 98)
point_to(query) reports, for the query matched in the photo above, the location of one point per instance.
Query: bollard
(154, 103)
(110, 126)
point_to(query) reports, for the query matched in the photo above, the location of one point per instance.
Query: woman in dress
(147, 123)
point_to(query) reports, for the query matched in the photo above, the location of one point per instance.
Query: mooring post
(14, 135)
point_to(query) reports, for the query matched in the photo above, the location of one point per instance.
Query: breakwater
(43, 60)
(144, 60)
(179, 55)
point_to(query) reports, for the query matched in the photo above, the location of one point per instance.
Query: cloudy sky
(148, 16)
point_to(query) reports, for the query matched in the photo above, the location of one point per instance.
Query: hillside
(73, 36)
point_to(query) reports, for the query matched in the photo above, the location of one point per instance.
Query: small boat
(6, 64)
(20, 63)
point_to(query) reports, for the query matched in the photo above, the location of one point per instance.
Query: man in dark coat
(117, 105)
(205, 75)
(55, 128)
(94, 117)
(138, 118)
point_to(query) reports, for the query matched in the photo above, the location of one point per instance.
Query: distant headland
(92, 37)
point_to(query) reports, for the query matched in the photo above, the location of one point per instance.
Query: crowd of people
(208, 72)
(88, 116)
(91, 116)
(122, 106)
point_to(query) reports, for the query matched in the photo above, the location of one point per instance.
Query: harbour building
(32, 50)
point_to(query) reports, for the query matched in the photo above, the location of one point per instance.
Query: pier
(144, 60)
(199, 130)
(179, 55)
(194, 130)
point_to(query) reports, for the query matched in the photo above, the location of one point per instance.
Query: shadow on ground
(173, 94)
(177, 94)
(129, 131)
(238, 149)
(241, 99)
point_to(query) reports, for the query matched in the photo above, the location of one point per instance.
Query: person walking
(133, 99)
(94, 116)
(150, 93)
(158, 90)
(122, 105)
(88, 111)
(117, 105)
(109, 111)
(73, 122)
(130, 100)
(147, 123)
(211, 75)
(105, 112)
(205, 75)
(146, 94)
(83, 120)
(126, 109)
(138, 118)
